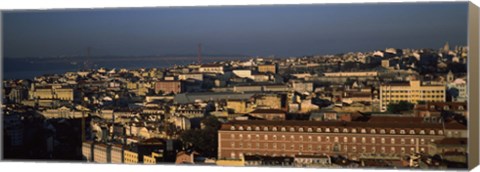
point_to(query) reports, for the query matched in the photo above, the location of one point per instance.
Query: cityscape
(397, 108)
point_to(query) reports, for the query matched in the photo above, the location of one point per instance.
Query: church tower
(450, 77)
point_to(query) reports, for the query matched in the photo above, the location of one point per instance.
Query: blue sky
(281, 30)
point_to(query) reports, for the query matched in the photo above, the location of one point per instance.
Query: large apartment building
(237, 139)
(413, 92)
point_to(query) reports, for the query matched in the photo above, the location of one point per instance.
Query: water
(28, 68)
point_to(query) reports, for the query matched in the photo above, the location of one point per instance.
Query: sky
(279, 30)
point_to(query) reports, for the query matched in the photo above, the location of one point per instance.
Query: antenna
(199, 53)
(86, 64)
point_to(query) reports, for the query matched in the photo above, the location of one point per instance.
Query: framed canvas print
(326, 86)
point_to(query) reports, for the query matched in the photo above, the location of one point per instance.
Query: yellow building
(238, 106)
(130, 157)
(265, 68)
(351, 74)
(231, 162)
(413, 92)
(273, 101)
(152, 159)
(52, 93)
(101, 153)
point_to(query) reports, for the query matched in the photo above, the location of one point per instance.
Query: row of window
(413, 91)
(354, 149)
(335, 139)
(336, 130)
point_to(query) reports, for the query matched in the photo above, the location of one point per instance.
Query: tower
(450, 76)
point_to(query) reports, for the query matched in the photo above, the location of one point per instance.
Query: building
(184, 157)
(351, 74)
(312, 160)
(52, 92)
(269, 114)
(116, 154)
(168, 87)
(130, 157)
(267, 68)
(272, 101)
(87, 151)
(101, 153)
(194, 76)
(212, 68)
(412, 92)
(350, 139)
(154, 158)
(13, 129)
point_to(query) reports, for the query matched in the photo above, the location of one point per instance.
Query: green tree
(401, 106)
(205, 140)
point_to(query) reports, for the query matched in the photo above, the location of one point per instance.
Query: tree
(400, 107)
(204, 140)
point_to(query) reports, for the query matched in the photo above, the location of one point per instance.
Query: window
(283, 138)
(309, 130)
(383, 140)
(345, 130)
(274, 137)
(319, 138)
(422, 131)
(265, 137)
(284, 129)
(422, 141)
(292, 129)
(240, 128)
(249, 128)
(335, 139)
(402, 131)
(374, 149)
(412, 141)
(345, 139)
(257, 128)
(232, 136)
(327, 130)
(310, 138)
(392, 150)
(383, 149)
(354, 130)
(363, 131)
(364, 140)
(327, 138)
(402, 150)
(301, 138)
(364, 149)
(249, 136)
(412, 132)
(392, 141)
(354, 139)
(232, 128)
(432, 132)
(274, 129)
(402, 141)
(382, 131)
(392, 131)
(319, 130)
(257, 137)
(319, 147)
(300, 130)
(292, 138)
(265, 128)
(440, 132)
(335, 130)
(373, 140)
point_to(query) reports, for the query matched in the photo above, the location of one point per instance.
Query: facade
(130, 157)
(212, 68)
(168, 87)
(116, 154)
(351, 74)
(412, 92)
(267, 68)
(101, 153)
(52, 93)
(154, 158)
(87, 151)
(269, 114)
(350, 139)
